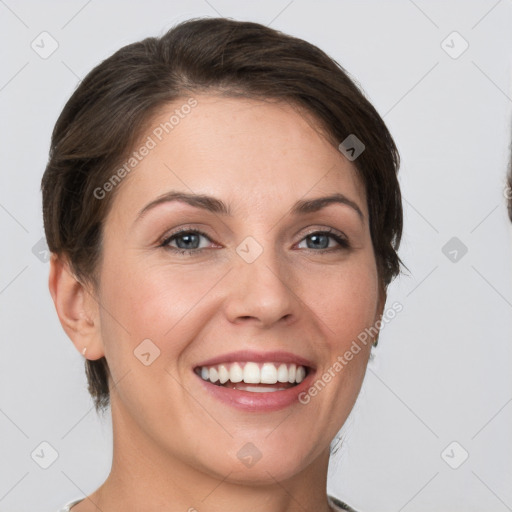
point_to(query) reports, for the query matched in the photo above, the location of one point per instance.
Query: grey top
(66, 507)
(337, 504)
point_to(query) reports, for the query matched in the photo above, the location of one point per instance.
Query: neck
(145, 477)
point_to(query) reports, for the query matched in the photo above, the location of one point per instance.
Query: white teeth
(291, 373)
(254, 373)
(214, 375)
(236, 374)
(256, 389)
(268, 374)
(282, 373)
(223, 374)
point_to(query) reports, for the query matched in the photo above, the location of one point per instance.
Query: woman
(223, 213)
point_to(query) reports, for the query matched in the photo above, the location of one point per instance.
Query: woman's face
(260, 289)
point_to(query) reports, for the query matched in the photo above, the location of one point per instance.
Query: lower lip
(258, 402)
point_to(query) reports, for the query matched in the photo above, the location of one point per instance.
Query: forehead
(252, 153)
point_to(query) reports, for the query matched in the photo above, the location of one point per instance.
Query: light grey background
(442, 370)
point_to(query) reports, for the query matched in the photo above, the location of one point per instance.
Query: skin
(175, 447)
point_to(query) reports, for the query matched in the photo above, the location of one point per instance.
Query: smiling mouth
(254, 377)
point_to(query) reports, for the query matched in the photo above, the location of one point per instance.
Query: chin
(262, 459)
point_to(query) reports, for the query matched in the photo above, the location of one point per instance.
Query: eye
(322, 239)
(187, 241)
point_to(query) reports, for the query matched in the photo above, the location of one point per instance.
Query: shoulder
(67, 507)
(339, 505)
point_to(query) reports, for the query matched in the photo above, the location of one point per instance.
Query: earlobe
(77, 309)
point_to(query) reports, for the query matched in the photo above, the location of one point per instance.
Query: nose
(262, 292)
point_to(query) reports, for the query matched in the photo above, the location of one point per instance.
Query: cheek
(155, 302)
(144, 303)
(345, 301)
(159, 301)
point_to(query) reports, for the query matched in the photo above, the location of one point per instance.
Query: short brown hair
(114, 103)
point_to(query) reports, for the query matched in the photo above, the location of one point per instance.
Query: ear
(77, 308)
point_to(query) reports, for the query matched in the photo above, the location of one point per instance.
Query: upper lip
(278, 356)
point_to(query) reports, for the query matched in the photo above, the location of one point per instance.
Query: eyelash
(343, 242)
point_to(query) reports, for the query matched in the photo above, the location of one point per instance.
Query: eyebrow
(214, 205)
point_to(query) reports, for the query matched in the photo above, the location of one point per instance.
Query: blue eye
(188, 241)
(321, 240)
